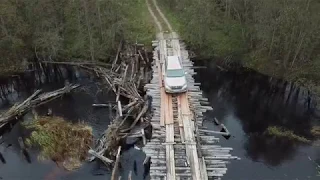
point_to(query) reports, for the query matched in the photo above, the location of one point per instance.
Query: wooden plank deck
(179, 148)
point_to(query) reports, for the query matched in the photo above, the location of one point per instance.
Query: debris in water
(18, 110)
(26, 156)
(2, 159)
(315, 131)
(24, 151)
(49, 113)
(135, 167)
(146, 165)
(61, 141)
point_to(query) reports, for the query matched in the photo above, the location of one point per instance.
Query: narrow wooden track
(179, 148)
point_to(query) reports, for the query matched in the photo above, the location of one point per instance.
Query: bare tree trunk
(272, 41)
(285, 58)
(4, 26)
(79, 20)
(298, 49)
(226, 9)
(100, 22)
(89, 29)
(308, 5)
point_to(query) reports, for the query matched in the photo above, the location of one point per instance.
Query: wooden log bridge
(180, 147)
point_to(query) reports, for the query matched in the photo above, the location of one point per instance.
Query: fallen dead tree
(36, 99)
(125, 78)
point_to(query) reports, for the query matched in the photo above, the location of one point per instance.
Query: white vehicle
(174, 77)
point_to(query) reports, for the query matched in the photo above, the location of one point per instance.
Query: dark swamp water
(74, 107)
(247, 103)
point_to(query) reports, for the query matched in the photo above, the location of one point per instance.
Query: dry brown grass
(60, 140)
(315, 131)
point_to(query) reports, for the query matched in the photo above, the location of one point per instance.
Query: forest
(277, 38)
(62, 30)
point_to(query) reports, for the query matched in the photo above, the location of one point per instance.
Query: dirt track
(159, 18)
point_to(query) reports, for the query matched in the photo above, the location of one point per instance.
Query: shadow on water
(248, 103)
(77, 106)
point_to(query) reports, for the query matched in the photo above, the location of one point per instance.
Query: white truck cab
(174, 76)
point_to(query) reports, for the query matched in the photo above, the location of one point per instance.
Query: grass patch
(61, 141)
(284, 133)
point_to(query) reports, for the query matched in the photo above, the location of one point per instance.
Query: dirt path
(155, 19)
(159, 18)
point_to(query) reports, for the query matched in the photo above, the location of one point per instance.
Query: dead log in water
(36, 99)
(105, 160)
(115, 170)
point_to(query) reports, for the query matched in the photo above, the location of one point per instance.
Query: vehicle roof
(173, 62)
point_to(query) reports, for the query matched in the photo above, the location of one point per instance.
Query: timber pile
(34, 100)
(126, 78)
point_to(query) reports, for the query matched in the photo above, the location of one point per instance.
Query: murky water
(247, 103)
(74, 107)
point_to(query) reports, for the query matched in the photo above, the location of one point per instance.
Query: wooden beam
(204, 173)
(169, 112)
(130, 175)
(191, 149)
(170, 161)
(120, 109)
(162, 107)
(102, 158)
(115, 173)
(143, 137)
(180, 121)
(214, 132)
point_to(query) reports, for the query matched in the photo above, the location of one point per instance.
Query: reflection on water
(248, 103)
(74, 107)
